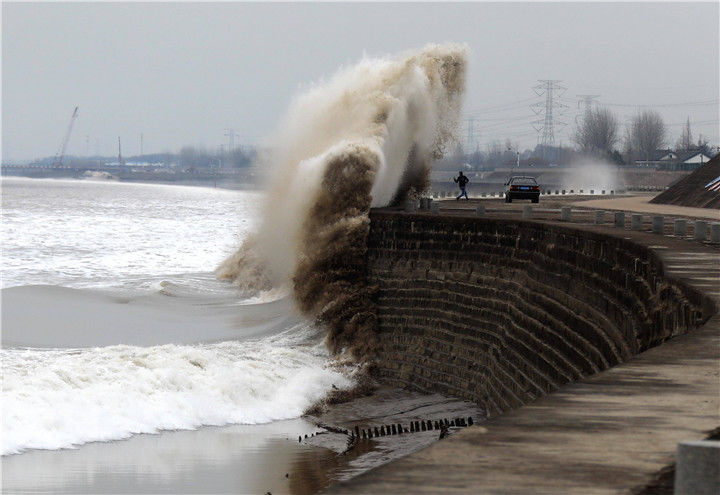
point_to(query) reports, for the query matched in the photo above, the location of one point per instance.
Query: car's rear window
(523, 181)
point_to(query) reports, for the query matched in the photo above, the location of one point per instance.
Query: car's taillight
(536, 188)
(513, 188)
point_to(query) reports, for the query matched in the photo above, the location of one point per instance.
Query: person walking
(461, 180)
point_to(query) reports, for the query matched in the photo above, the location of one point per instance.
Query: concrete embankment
(503, 312)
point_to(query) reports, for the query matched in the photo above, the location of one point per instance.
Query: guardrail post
(700, 230)
(697, 468)
(680, 227)
(480, 210)
(715, 233)
(565, 213)
(599, 216)
(620, 219)
(636, 221)
(658, 224)
(410, 205)
(527, 212)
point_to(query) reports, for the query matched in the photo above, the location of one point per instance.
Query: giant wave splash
(366, 138)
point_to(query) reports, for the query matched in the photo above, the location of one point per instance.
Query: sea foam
(54, 399)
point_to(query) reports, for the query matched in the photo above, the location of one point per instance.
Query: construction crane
(61, 154)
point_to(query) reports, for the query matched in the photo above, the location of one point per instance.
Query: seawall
(502, 312)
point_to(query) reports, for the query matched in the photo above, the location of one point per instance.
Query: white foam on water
(107, 234)
(55, 399)
(265, 296)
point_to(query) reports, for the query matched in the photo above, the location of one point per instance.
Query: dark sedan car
(522, 188)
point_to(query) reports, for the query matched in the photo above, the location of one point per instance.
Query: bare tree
(598, 133)
(494, 152)
(686, 140)
(647, 133)
(702, 144)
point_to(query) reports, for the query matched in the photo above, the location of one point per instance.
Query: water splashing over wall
(365, 138)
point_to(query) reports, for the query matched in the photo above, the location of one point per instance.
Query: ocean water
(113, 323)
(99, 234)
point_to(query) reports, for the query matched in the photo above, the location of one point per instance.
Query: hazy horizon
(183, 73)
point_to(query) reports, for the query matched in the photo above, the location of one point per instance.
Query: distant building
(694, 157)
(675, 160)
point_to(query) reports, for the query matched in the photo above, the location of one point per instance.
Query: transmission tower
(471, 140)
(587, 101)
(231, 135)
(551, 90)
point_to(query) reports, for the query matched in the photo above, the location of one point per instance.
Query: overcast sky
(181, 73)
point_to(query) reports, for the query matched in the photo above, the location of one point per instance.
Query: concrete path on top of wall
(610, 433)
(640, 204)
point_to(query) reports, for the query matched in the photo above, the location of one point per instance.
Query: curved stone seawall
(502, 312)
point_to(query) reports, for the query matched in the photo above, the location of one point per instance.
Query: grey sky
(181, 73)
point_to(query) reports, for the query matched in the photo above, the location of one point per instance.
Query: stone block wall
(501, 312)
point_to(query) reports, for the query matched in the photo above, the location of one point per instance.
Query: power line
(504, 119)
(698, 122)
(501, 106)
(642, 105)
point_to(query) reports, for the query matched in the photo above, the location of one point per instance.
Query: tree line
(598, 135)
(189, 157)
(192, 157)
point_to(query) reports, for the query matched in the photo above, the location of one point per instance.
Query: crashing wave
(366, 138)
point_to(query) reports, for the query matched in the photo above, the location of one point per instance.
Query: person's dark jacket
(462, 181)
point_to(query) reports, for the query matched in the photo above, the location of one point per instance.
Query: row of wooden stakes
(398, 429)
